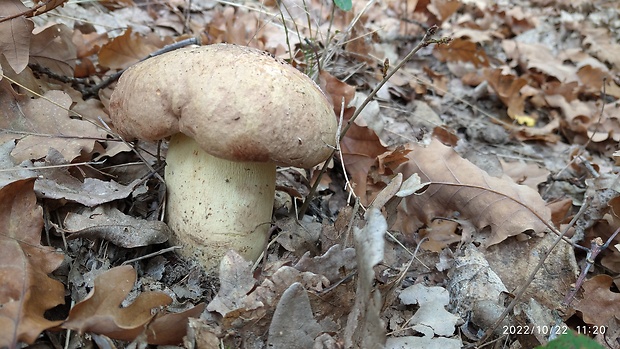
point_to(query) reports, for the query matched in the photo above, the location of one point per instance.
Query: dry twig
(426, 40)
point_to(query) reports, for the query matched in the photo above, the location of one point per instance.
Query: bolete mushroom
(233, 114)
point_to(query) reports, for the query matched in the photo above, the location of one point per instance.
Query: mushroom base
(216, 205)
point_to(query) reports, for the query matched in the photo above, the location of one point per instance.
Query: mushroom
(233, 114)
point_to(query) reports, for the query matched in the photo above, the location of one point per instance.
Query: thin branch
(596, 248)
(34, 11)
(426, 40)
(526, 284)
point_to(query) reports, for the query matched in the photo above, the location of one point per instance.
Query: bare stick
(426, 40)
(597, 247)
(39, 9)
(156, 253)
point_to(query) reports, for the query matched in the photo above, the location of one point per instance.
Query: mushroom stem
(215, 205)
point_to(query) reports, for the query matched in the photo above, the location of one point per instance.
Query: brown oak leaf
(26, 292)
(101, 311)
(599, 303)
(460, 189)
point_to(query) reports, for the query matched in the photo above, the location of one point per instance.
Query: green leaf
(572, 340)
(345, 5)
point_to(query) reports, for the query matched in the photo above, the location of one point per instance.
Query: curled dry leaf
(169, 329)
(110, 224)
(388, 192)
(508, 89)
(411, 185)
(26, 292)
(457, 185)
(399, 188)
(365, 329)
(101, 311)
(293, 325)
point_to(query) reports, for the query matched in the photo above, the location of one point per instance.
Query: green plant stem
(426, 40)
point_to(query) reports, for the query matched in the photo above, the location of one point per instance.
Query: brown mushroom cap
(236, 102)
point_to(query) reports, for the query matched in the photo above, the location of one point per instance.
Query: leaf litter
(515, 93)
(27, 290)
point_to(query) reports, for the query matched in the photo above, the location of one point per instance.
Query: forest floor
(473, 201)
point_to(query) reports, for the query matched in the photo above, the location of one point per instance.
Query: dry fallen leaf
(15, 35)
(539, 57)
(110, 224)
(459, 186)
(125, 50)
(599, 43)
(440, 233)
(462, 50)
(508, 89)
(43, 6)
(477, 288)
(365, 328)
(360, 146)
(525, 173)
(101, 313)
(431, 318)
(599, 303)
(8, 172)
(388, 192)
(293, 326)
(44, 123)
(331, 264)
(169, 329)
(426, 342)
(297, 235)
(247, 309)
(26, 292)
(236, 282)
(513, 261)
(58, 183)
(53, 49)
